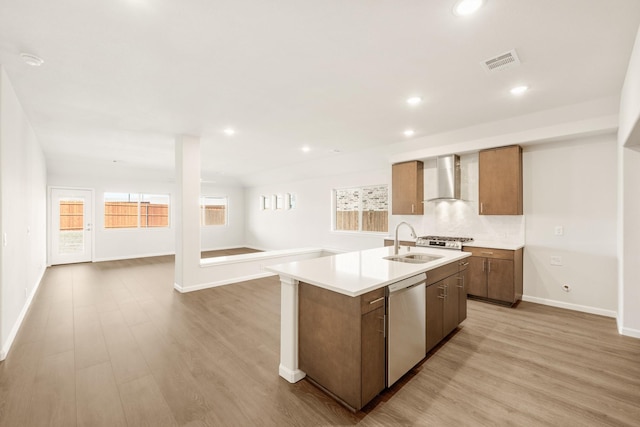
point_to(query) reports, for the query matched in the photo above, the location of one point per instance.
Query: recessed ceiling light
(519, 90)
(414, 100)
(409, 132)
(29, 59)
(229, 131)
(467, 7)
(306, 149)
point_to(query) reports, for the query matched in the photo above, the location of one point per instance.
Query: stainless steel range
(443, 242)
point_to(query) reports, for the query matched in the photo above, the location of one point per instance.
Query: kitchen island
(347, 292)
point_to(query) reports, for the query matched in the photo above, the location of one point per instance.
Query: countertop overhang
(356, 273)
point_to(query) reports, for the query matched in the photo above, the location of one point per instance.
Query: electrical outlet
(559, 230)
(556, 260)
(566, 288)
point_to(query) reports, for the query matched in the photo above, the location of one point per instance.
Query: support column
(187, 221)
(289, 330)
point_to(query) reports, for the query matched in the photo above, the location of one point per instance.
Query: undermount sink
(413, 258)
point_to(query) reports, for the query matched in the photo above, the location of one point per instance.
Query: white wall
(309, 224)
(133, 243)
(23, 220)
(629, 204)
(230, 235)
(572, 184)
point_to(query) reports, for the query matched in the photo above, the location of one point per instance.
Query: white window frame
(334, 207)
(226, 211)
(139, 200)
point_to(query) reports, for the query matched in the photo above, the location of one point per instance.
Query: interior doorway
(71, 225)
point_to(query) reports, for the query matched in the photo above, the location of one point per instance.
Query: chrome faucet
(396, 242)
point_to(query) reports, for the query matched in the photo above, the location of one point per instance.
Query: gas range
(443, 242)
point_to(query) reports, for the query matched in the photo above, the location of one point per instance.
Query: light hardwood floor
(112, 344)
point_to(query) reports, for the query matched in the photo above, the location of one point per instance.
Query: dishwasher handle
(407, 283)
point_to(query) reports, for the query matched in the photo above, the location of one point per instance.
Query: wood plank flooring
(112, 344)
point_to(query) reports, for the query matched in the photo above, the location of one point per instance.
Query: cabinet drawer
(489, 252)
(372, 300)
(440, 273)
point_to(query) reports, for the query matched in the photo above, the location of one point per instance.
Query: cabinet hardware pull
(486, 253)
(461, 279)
(481, 207)
(412, 208)
(464, 264)
(489, 270)
(376, 300)
(484, 261)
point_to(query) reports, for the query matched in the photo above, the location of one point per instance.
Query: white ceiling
(121, 78)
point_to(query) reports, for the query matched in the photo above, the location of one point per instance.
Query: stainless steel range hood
(448, 168)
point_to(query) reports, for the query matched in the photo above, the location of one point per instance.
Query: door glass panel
(71, 235)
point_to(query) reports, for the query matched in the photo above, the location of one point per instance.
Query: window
(213, 211)
(362, 209)
(132, 210)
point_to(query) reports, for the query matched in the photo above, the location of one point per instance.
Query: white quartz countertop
(494, 245)
(356, 273)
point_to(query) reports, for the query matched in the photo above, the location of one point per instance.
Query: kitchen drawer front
(440, 273)
(489, 252)
(372, 300)
(463, 264)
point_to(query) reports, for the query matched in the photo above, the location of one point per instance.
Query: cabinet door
(373, 354)
(407, 188)
(477, 283)
(450, 309)
(500, 181)
(435, 306)
(463, 280)
(500, 280)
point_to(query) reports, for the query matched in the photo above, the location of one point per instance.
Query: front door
(71, 225)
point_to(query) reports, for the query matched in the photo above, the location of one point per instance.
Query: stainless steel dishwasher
(406, 316)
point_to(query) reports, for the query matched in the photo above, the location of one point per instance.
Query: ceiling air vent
(501, 62)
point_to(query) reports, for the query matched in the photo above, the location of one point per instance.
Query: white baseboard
(634, 333)
(569, 306)
(120, 258)
(6, 346)
(293, 376)
(185, 289)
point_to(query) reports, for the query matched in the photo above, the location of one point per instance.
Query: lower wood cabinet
(342, 343)
(495, 274)
(446, 301)
(463, 281)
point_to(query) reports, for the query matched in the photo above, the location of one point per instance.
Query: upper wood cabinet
(407, 188)
(500, 176)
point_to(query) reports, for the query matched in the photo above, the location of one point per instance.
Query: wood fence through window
(213, 215)
(371, 221)
(125, 215)
(71, 215)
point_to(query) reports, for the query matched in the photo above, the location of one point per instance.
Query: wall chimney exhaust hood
(448, 168)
